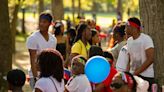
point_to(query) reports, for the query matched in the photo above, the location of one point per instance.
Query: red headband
(130, 23)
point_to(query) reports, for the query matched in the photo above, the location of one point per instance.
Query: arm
(99, 87)
(68, 49)
(33, 57)
(148, 62)
(66, 90)
(75, 50)
(128, 66)
(72, 85)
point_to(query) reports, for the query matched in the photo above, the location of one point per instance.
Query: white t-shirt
(123, 59)
(136, 49)
(48, 85)
(116, 49)
(37, 42)
(78, 83)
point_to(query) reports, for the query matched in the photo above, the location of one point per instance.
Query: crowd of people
(58, 60)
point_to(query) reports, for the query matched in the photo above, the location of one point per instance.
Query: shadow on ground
(21, 61)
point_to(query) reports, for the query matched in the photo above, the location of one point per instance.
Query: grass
(21, 37)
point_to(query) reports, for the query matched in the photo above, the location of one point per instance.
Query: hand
(136, 72)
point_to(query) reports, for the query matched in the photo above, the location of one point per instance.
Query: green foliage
(86, 5)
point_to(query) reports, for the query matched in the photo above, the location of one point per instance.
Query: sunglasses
(116, 85)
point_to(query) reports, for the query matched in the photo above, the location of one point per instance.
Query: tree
(14, 8)
(95, 7)
(5, 44)
(152, 17)
(73, 11)
(110, 5)
(119, 9)
(58, 9)
(41, 6)
(79, 8)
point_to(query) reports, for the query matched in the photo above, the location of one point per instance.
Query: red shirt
(108, 80)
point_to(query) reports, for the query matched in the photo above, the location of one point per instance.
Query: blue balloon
(97, 69)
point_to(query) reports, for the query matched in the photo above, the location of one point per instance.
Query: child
(95, 51)
(50, 63)
(104, 86)
(123, 82)
(126, 82)
(78, 82)
(16, 79)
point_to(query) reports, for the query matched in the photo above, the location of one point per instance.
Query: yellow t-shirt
(81, 49)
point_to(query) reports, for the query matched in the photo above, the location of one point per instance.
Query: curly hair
(51, 64)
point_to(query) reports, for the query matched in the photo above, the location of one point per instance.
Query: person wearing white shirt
(123, 59)
(79, 81)
(141, 50)
(50, 63)
(39, 41)
(119, 36)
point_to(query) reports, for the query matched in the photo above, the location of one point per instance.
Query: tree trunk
(79, 8)
(23, 21)
(14, 25)
(108, 5)
(152, 17)
(41, 6)
(5, 44)
(119, 9)
(58, 9)
(94, 6)
(73, 11)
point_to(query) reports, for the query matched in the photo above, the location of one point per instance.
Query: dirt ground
(22, 61)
